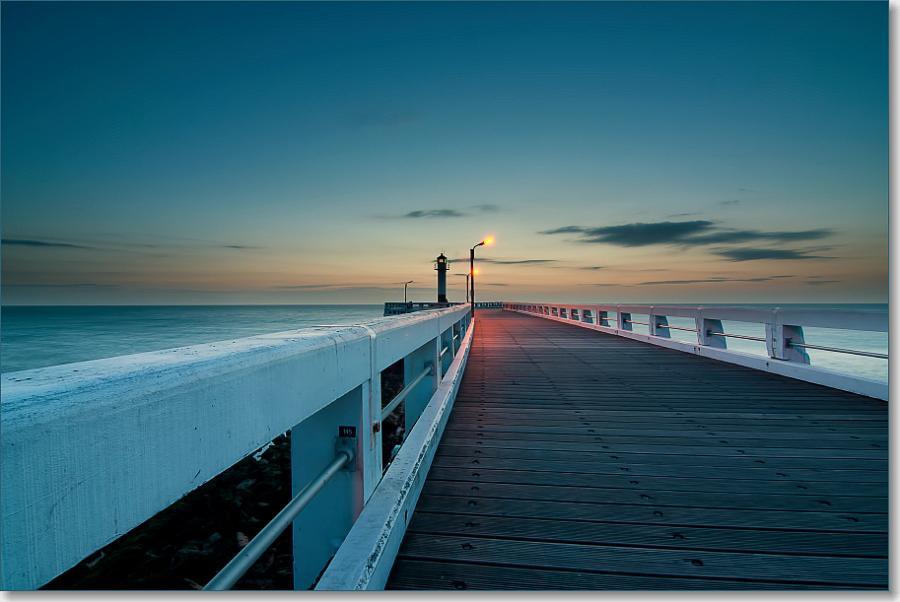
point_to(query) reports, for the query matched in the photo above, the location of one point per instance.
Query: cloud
(28, 242)
(445, 213)
(73, 285)
(506, 261)
(753, 254)
(688, 214)
(335, 286)
(730, 203)
(565, 230)
(818, 282)
(713, 280)
(638, 234)
(123, 245)
(686, 233)
(740, 236)
(433, 213)
(592, 267)
(518, 261)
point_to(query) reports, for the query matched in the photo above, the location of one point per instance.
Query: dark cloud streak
(687, 233)
(28, 242)
(755, 254)
(713, 280)
(447, 213)
(433, 213)
(506, 261)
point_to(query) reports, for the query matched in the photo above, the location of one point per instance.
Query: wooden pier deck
(580, 460)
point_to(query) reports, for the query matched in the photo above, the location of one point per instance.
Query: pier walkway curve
(575, 459)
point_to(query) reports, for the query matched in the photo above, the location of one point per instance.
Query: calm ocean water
(32, 337)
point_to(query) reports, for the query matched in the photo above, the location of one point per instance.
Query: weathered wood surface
(580, 460)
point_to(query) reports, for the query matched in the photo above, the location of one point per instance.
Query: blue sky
(298, 152)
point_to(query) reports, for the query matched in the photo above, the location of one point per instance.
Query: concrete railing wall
(93, 449)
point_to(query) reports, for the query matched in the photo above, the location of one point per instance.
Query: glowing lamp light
(489, 240)
(476, 271)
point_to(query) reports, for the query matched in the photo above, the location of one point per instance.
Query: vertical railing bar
(386, 411)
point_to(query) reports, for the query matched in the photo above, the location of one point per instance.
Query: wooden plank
(725, 485)
(565, 492)
(527, 415)
(810, 439)
(612, 534)
(415, 574)
(837, 570)
(659, 515)
(712, 454)
(667, 428)
(766, 473)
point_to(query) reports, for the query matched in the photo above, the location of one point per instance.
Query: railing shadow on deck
(93, 449)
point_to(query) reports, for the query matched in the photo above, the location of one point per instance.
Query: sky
(168, 153)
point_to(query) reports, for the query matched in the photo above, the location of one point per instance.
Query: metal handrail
(676, 327)
(443, 351)
(386, 410)
(636, 322)
(249, 554)
(881, 356)
(734, 336)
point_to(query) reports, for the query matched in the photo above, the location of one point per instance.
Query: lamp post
(406, 284)
(467, 284)
(487, 241)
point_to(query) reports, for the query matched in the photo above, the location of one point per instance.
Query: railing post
(321, 527)
(413, 364)
(778, 339)
(370, 460)
(445, 340)
(624, 319)
(704, 327)
(601, 318)
(659, 325)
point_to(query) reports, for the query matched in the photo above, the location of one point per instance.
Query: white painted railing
(93, 449)
(784, 338)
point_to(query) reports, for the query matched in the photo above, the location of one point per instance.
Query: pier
(547, 446)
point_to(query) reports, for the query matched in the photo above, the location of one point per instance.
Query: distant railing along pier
(784, 337)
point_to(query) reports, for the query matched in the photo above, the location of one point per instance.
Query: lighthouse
(441, 266)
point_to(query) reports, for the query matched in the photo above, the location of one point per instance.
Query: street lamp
(488, 241)
(406, 284)
(466, 274)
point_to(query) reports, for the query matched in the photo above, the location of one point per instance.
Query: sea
(37, 336)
